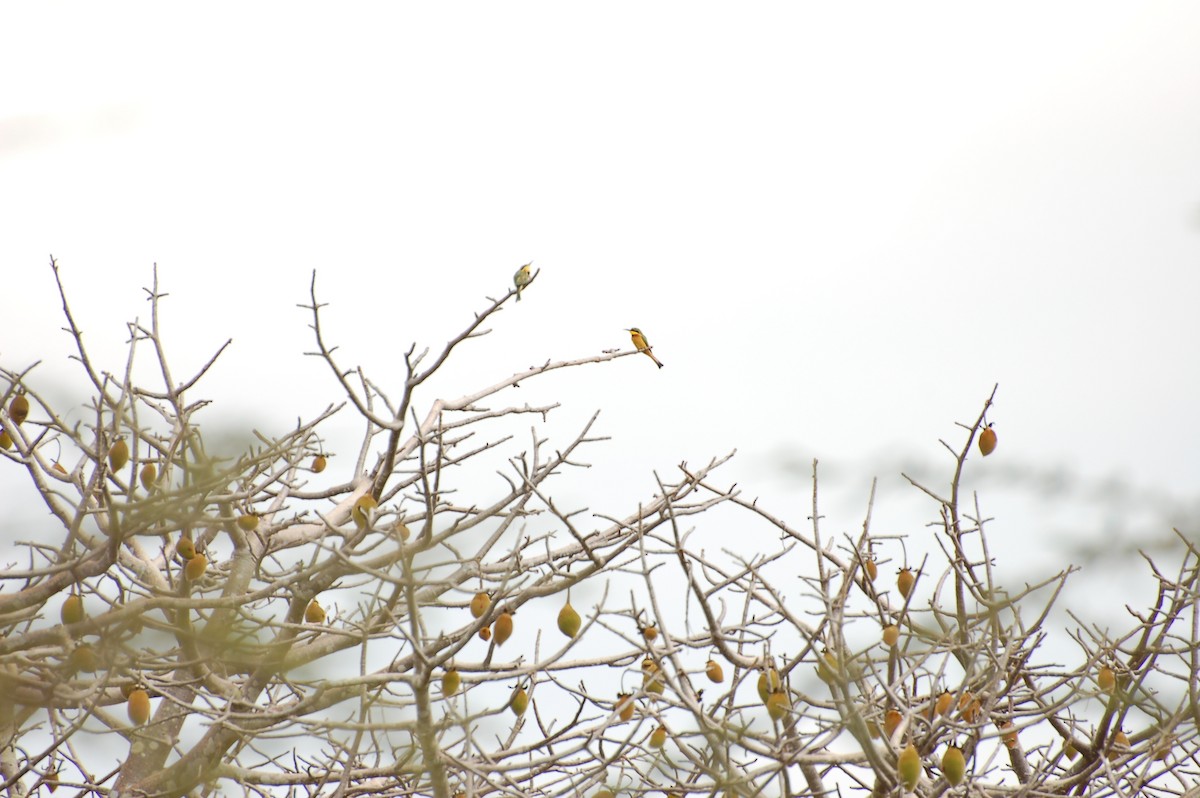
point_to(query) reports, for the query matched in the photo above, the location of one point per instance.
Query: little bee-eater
(639, 341)
(522, 278)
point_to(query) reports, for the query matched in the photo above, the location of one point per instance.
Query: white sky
(839, 224)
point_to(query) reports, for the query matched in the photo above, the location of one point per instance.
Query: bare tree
(213, 624)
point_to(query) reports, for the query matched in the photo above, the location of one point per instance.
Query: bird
(639, 340)
(522, 278)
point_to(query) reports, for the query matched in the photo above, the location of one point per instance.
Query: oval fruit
(5, 440)
(318, 464)
(905, 581)
(118, 455)
(714, 672)
(942, 706)
(652, 678)
(658, 737)
(195, 568)
(72, 609)
(1107, 679)
(569, 620)
(768, 682)
(149, 472)
(969, 707)
(891, 635)
(625, 706)
(451, 681)
(485, 634)
(247, 522)
(1120, 745)
(891, 721)
(987, 441)
(504, 628)
(954, 765)
(1008, 733)
(778, 705)
(480, 604)
(83, 658)
(18, 408)
(185, 548)
(650, 632)
(519, 701)
(362, 509)
(314, 613)
(870, 567)
(909, 766)
(138, 707)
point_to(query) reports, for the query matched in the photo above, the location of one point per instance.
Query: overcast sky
(838, 224)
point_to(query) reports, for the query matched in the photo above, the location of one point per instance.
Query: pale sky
(838, 224)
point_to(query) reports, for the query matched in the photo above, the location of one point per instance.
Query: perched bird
(642, 344)
(522, 278)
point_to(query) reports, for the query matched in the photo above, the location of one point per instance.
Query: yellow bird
(522, 278)
(639, 340)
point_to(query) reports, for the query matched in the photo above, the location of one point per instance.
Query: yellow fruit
(149, 472)
(480, 604)
(451, 681)
(1008, 733)
(485, 634)
(891, 635)
(83, 658)
(891, 721)
(778, 705)
(650, 632)
(185, 548)
(828, 667)
(954, 766)
(5, 440)
(1120, 745)
(569, 620)
(969, 707)
(714, 672)
(314, 613)
(1162, 747)
(658, 737)
(402, 530)
(195, 568)
(652, 677)
(72, 609)
(362, 509)
(118, 455)
(318, 464)
(625, 706)
(942, 706)
(768, 682)
(18, 408)
(871, 568)
(1107, 679)
(247, 522)
(519, 701)
(909, 767)
(138, 707)
(504, 628)
(987, 441)
(905, 581)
